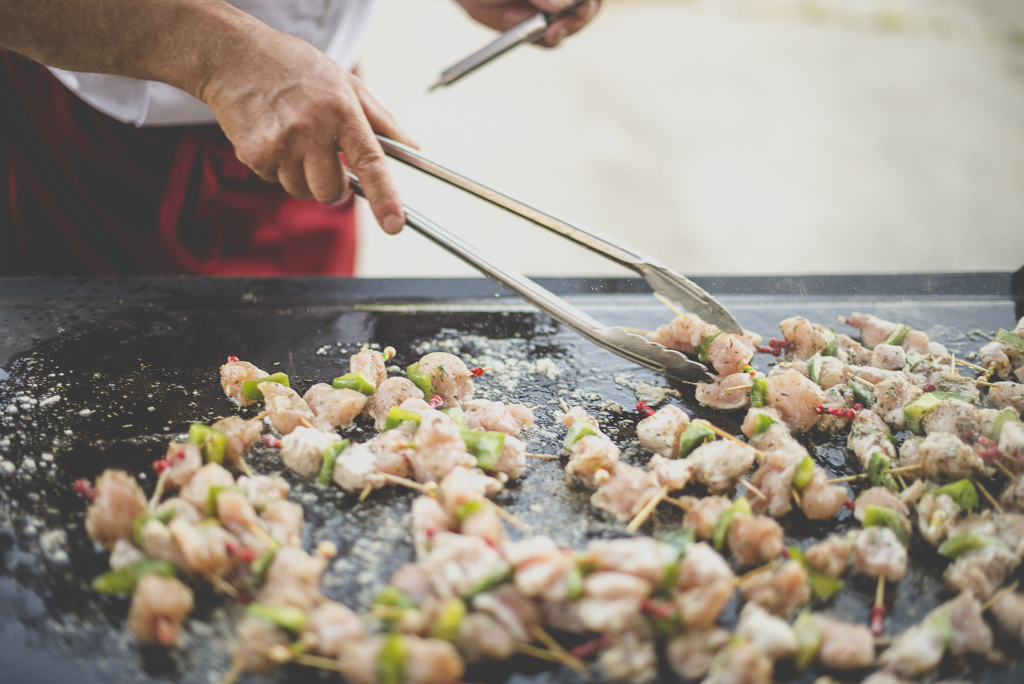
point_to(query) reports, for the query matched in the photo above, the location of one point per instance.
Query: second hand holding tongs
(662, 279)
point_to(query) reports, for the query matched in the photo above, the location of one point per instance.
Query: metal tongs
(662, 279)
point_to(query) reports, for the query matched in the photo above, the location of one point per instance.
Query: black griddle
(133, 361)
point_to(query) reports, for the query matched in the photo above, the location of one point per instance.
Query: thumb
(551, 5)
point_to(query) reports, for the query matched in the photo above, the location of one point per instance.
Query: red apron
(83, 194)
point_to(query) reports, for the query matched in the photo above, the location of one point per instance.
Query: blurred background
(720, 136)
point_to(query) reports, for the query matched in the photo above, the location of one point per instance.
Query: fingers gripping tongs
(662, 279)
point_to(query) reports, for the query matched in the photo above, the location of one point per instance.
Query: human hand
(289, 110)
(504, 14)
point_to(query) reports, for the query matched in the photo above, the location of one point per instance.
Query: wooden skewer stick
(878, 611)
(899, 478)
(158, 493)
(539, 653)
(863, 381)
(722, 433)
(991, 500)
(985, 384)
(547, 457)
(411, 484)
(971, 365)
(1006, 471)
(220, 584)
(638, 331)
(244, 467)
(677, 503)
(507, 517)
(570, 660)
(861, 476)
(757, 571)
(904, 469)
(646, 511)
(267, 540)
(306, 422)
(884, 641)
(318, 662)
(669, 303)
(260, 416)
(996, 597)
(366, 492)
(233, 672)
(796, 496)
(749, 485)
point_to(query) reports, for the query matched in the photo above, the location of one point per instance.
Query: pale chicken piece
(1008, 395)
(795, 397)
(482, 638)
(111, 515)
(877, 551)
(691, 653)
(781, 367)
(390, 393)
(463, 485)
(630, 658)
(953, 416)
(751, 339)
(891, 396)
(238, 516)
(263, 489)
(944, 457)
(833, 372)
(916, 652)
(485, 524)
(971, 634)
(755, 539)
(429, 518)
(750, 420)
(591, 455)
(612, 601)
(565, 617)
(729, 393)
(910, 454)
(719, 464)
(643, 557)
(882, 497)
(888, 357)
(293, 579)
(333, 408)
(438, 447)
(832, 554)
(197, 490)
(431, 661)
(204, 547)
(913, 493)
(1013, 495)
(704, 585)
(868, 436)
(178, 508)
(1009, 613)
(329, 626)
(285, 407)
(820, 500)
(870, 374)
(1011, 440)
(1000, 356)
(674, 473)
(703, 514)
(449, 377)
(159, 607)
(684, 333)
(284, 520)
(158, 543)
(303, 448)
(1010, 529)
(233, 374)
(837, 397)
(660, 432)
(777, 442)
(946, 380)
(844, 646)
(540, 568)
(849, 350)
(729, 354)
(512, 461)
(774, 479)
(183, 461)
(740, 664)
(356, 468)
(456, 564)
(254, 639)
(935, 514)
(358, 661)
(513, 611)
(808, 338)
(577, 413)
(371, 363)
(123, 554)
(769, 634)
(495, 416)
(873, 330)
(781, 591)
(240, 434)
(981, 571)
(917, 341)
(393, 449)
(626, 492)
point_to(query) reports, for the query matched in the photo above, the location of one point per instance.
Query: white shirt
(335, 27)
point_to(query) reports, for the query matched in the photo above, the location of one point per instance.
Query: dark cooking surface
(134, 361)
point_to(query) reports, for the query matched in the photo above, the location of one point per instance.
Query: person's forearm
(180, 42)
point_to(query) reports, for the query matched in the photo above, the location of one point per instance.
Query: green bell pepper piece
(913, 358)
(397, 416)
(759, 392)
(695, 435)
(1008, 415)
(393, 597)
(286, 617)
(878, 471)
(702, 348)
(1010, 339)
(961, 491)
(897, 334)
(814, 368)
(251, 389)
(486, 446)
(578, 431)
(574, 578)
(123, 581)
(804, 473)
(861, 394)
(420, 379)
(458, 416)
(391, 660)
(467, 509)
(210, 441)
(762, 422)
(258, 567)
(967, 541)
(448, 623)
(808, 640)
(966, 398)
(500, 575)
(879, 516)
(740, 505)
(680, 540)
(831, 343)
(330, 454)
(356, 380)
(211, 497)
(164, 516)
(822, 585)
(918, 409)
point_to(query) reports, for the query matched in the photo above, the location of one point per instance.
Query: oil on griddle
(112, 392)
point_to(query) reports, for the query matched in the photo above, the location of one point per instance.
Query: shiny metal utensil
(617, 340)
(524, 32)
(661, 278)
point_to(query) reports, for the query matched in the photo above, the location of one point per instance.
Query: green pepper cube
(861, 394)
(808, 640)
(258, 567)
(913, 358)
(251, 389)
(420, 379)
(356, 380)
(961, 491)
(574, 579)
(878, 470)
(740, 505)
(762, 422)
(467, 509)
(330, 454)
(579, 430)
(916, 410)
(804, 473)
(1010, 339)
(1008, 415)
(286, 617)
(879, 516)
(391, 660)
(759, 393)
(393, 597)
(967, 541)
(449, 622)
(814, 368)
(486, 446)
(698, 433)
(458, 416)
(966, 398)
(831, 343)
(124, 580)
(211, 497)
(702, 348)
(897, 334)
(397, 416)
(500, 575)
(211, 442)
(822, 585)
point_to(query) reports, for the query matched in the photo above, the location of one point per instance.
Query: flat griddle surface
(134, 361)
